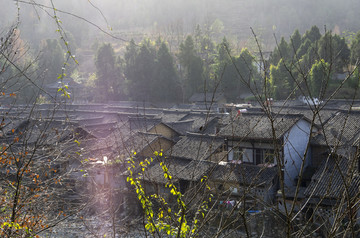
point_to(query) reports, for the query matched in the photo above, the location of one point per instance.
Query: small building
(333, 194)
(277, 139)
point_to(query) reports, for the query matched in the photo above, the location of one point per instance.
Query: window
(269, 156)
(237, 154)
(248, 156)
(242, 154)
(263, 156)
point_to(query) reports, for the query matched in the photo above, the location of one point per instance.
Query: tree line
(152, 71)
(319, 63)
(149, 71)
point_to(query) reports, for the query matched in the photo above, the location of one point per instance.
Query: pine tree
(192, 68)
(107, 82)
(165, 86)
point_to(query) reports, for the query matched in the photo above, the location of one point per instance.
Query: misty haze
(192, 118)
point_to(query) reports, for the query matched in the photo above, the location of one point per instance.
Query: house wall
(250, 152)
(318, 154)
(295, 144)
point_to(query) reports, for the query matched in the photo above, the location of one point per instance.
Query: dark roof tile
(332, 178)
(195, 147)
(259, 126)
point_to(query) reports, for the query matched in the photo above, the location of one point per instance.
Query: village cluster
(283, 155)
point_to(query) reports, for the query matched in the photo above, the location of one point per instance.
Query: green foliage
(304, 48)
(108, 72)
(355, 49)
(52, 60)
(139, 69)
(310, 49)
(206, 50)
(353, 81)
(280, 80)
(282, 51)
(334, 50)
(226, 72)
(295, 41)
(167, 219)
(165, 82)
(319, 78)
(313, 35)
(192, 66)
(236, 74)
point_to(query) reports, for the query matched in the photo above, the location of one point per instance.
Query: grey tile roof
(124, 145)
(206, 97)
(155, 173)
(331, 179)
(195, 147)
(116, 139)
(200, 120)
(179, 169)
(259, 126)
(169, 125)
(173, 115)
(244, 174)
(181, 126)
(143, 123)
(195, 170)
(321, 117)
(100, 130)
(139, 141)
(342, 129)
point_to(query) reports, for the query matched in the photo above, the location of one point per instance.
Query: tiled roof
(100, 130)
(117, 137)
(181, 126)
(192, 170)
(139, 141)
(206, 97)
(342, 129)
(195, 147)
(155, 173)
(332, 177)
(179, 169)
(321, 117)
(200, 120)
(169, 125)
(195, 170)
(244, 174)
(143, 123)
(173, 115)
(259, 126)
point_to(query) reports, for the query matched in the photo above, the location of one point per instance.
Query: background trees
(52, 61)
(109, 74)
(319, 78)
(334, 47)
(26, 186)
(31, 190)
(166, 86)
(302, 57)
(234, 73)
(191, 68)
(197, 67)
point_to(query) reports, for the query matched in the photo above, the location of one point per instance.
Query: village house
(245, 156)
(256, 186)
(333, 193)
(255, 138)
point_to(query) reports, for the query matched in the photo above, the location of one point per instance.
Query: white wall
(295, 144)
